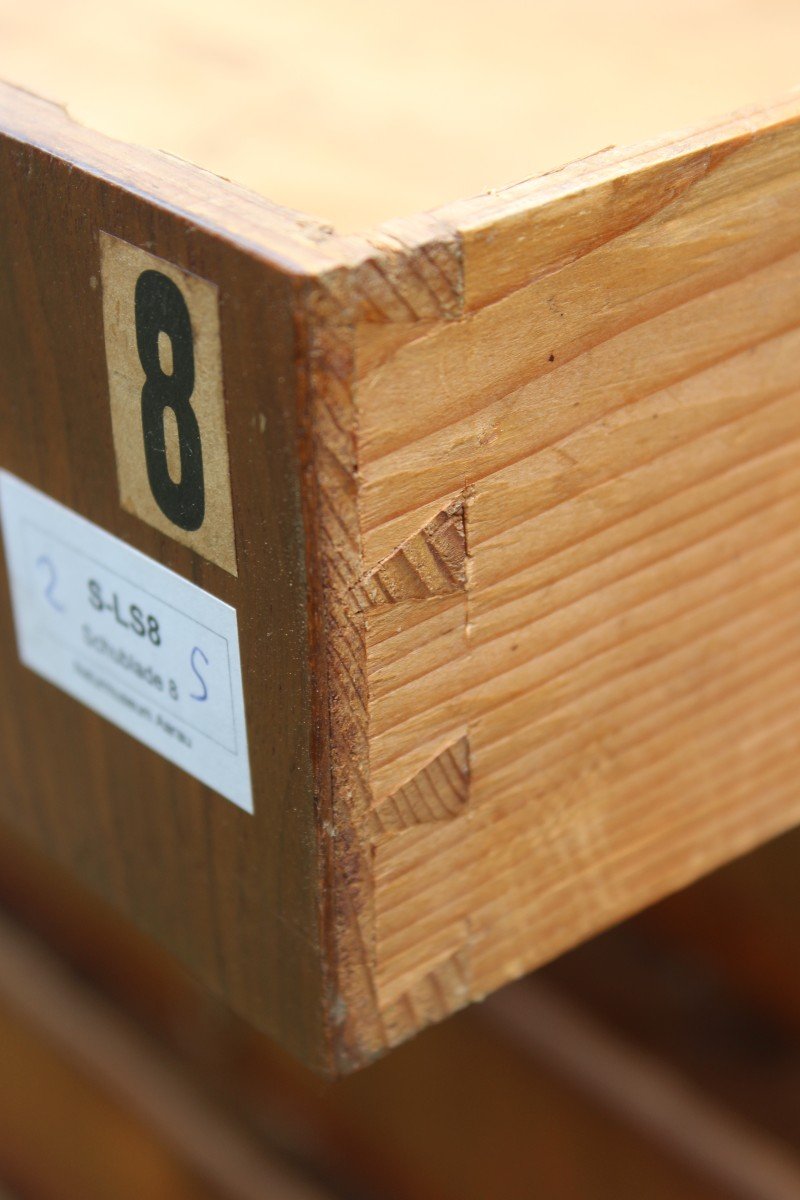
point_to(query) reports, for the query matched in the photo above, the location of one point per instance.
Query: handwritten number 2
(197, 653)
(161, 308)
(45, 563)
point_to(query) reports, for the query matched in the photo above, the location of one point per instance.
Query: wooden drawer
(502, 499)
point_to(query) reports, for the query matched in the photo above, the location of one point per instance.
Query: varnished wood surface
(234, 895)
(359, 112)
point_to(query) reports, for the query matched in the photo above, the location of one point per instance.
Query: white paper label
(130, 639)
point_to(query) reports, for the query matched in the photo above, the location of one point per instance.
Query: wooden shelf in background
(630, 1063)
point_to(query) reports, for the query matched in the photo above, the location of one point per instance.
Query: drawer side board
(558, 446)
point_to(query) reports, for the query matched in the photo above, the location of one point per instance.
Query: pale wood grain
(618, 417)
(360, 112)
(429, 563)
(237, 900)
(438, 792)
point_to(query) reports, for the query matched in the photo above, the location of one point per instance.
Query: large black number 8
(161, 308)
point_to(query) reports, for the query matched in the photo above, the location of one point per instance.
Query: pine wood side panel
(621, 423)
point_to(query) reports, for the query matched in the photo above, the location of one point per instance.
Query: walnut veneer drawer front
(493, 513)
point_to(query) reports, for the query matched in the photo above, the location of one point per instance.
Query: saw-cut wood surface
(360, 112)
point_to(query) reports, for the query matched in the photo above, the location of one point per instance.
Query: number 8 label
(164, 357)
(161, 308)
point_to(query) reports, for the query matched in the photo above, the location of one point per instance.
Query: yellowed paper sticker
(164, 358)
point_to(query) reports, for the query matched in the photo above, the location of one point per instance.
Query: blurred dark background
(661, 1059)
